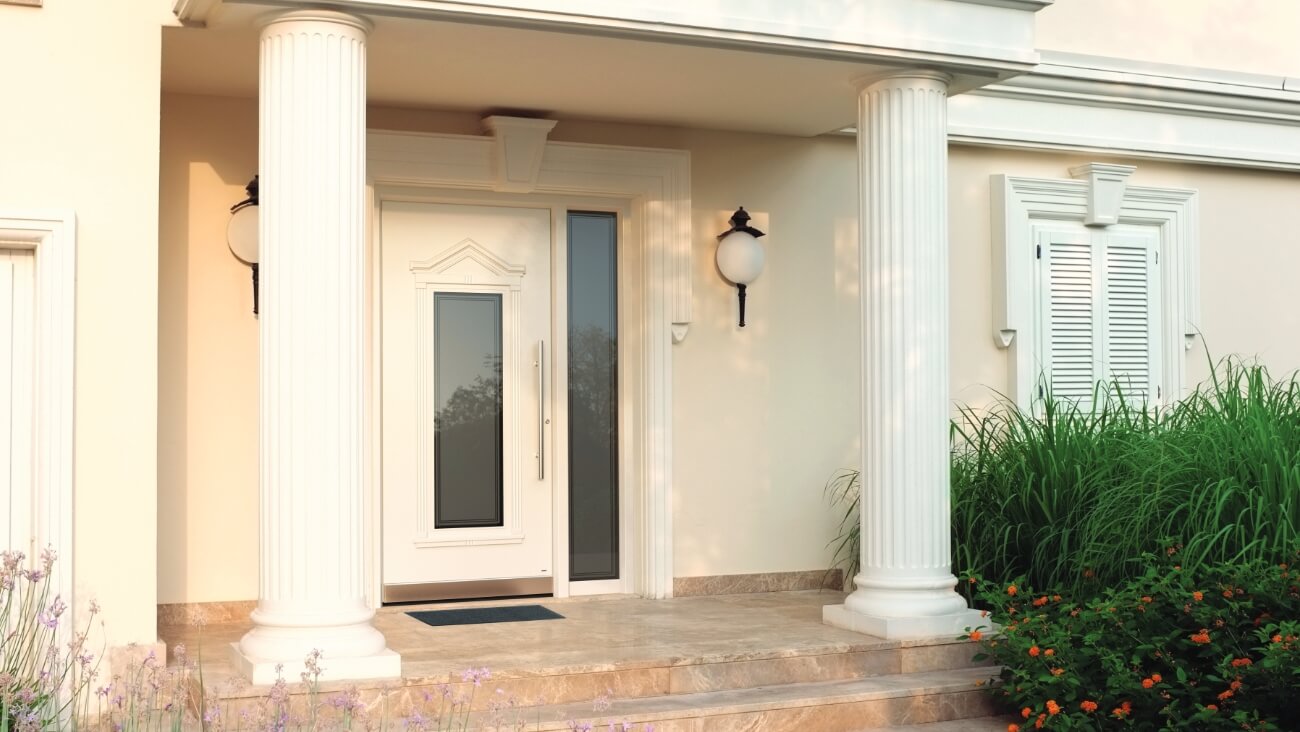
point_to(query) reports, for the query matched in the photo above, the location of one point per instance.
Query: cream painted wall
(1250, 253)
(1256, 36)
(80, 132)
(207, 381)
(762, 415)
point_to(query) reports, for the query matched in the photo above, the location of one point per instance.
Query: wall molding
(53, 236)
(655, 184)
(1117, 107)
(1019, 204)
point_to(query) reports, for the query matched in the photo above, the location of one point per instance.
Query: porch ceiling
(461, 66)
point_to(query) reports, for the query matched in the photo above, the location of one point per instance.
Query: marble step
(543, 683)
(856, 704)
(981, 724)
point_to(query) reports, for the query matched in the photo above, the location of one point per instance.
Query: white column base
(917, 627)
(386, 664)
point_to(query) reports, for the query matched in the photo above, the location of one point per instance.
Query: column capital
(902, 77)
(318, 15)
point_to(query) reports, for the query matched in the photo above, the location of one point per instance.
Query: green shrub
(1061, 494)
(1218, 648)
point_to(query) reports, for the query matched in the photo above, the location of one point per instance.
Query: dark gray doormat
(479, 615)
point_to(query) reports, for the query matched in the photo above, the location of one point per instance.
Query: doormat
(480, 615)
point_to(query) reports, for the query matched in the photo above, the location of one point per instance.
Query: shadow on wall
(207, 355)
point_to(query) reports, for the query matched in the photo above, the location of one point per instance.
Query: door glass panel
(468, 468)
(593, 396)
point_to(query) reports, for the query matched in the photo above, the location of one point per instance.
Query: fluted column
(906, 586)
(312, 155)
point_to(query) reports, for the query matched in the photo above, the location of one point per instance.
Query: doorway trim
(653, 188)
(52, 235)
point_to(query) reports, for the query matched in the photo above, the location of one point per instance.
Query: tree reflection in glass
(468, 467)
(593, 396)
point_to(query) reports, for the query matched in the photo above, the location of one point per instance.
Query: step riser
(859, 715)
(564, 688)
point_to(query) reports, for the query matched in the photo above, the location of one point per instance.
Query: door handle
(541, 410)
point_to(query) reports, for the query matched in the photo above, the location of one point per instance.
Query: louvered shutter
(1132, 322)
(1070, 314)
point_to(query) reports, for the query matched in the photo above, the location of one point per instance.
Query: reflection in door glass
(593, 396)
(467, 457)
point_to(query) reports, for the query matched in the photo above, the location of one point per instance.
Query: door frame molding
(653, 188)
(52, 235)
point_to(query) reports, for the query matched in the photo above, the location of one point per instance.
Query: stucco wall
(1249, 254)
(79, 131)
(762, 416)
(1256, 36)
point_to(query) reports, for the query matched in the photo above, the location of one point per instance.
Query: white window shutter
(1070, 310)
(1132, 308)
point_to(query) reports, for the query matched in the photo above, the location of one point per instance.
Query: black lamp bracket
(740, 222)
(251, 190)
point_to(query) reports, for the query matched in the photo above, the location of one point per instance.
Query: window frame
(1099, 198)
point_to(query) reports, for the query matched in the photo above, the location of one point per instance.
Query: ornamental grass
(1073, 496)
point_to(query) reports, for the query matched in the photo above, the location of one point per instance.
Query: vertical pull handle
(541, 410)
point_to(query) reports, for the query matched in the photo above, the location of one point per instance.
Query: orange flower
(1088, 706)
(971, 580)
(1234, 685)
(1053, 708)
(1225, 695)
(1026, 712)
(1228, 594)
(975, 635)
(1011, 590)
(1277, 639)
(1239, 662)
(1049, 652)
(1038, 723)
(1145, 598)
(1198, 596)
(1058, 671)
(1056, 598)
(1013, 727)
(1156, 678)
(1041, 601)
(1211, 708)
(1147, 683)
(1033, 651)
(1201, 637)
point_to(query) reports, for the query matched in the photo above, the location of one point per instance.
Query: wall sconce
(740, 256)
(241, 232)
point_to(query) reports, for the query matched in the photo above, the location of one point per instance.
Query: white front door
(466, 334)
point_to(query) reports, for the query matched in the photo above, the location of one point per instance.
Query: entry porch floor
(750, 661)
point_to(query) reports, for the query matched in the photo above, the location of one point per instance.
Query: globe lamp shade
(241, 234)
(740, 257)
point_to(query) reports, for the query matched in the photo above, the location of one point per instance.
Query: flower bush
(1214, 649)
(43, 676)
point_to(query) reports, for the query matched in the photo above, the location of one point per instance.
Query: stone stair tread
(766, 698)
(976, 724)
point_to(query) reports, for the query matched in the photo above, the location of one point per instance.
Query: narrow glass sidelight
(468, 456)
(593, 396)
